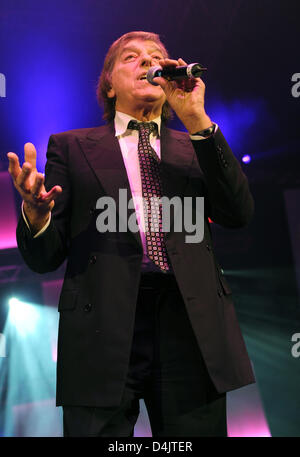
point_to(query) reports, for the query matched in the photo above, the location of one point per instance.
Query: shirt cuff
(199, 137)
(42, 229)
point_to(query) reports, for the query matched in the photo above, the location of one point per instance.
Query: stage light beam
(23, 316)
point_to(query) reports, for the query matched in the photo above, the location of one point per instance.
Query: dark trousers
(166, 369)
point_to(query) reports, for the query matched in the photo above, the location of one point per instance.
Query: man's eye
(130, 56)
(157, 57)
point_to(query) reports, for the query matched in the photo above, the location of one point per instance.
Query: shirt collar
(122, 120)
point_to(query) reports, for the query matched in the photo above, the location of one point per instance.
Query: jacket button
(93, 259)
(88, 307)
(208, 246)
(220, 293)
(92, 211)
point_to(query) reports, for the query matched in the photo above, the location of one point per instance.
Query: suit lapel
(177, 155)
(102, 151)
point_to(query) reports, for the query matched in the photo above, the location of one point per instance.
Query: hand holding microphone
(184, 90)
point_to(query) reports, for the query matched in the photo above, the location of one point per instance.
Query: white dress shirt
(128, 140)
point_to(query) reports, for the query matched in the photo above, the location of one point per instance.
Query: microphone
(193, 70)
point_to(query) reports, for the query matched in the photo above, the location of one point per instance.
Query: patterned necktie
(152, 191)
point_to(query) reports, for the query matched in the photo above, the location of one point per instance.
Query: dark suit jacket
(99, 293)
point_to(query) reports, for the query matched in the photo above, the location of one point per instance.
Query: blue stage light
(23, 316)
(246, 159)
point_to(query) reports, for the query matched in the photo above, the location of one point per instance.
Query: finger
(23, 178)
(52, 194)
(182, 62)
(167, 86)
(168, 62)
(14, 165)
(30, 154)
(187, 84)
(38, 185)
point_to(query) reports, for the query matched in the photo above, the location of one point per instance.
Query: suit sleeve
(48, 251)
(230, 202)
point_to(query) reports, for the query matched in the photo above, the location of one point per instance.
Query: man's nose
(146, 60)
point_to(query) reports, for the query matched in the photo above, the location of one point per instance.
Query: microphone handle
(194, 70)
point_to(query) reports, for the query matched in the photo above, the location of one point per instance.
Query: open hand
(30, 185)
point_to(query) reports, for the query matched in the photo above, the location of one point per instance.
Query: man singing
(143, 314)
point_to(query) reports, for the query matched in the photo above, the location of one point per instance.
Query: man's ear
(111, 93)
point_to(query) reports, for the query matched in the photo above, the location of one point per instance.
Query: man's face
(129, 84)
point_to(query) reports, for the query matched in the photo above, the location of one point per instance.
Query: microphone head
(151, 73)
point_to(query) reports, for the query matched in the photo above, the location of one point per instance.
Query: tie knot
(145, 127)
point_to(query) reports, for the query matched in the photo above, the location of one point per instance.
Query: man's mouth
(142, 77)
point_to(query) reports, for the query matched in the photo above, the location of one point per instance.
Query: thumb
(166, 85)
